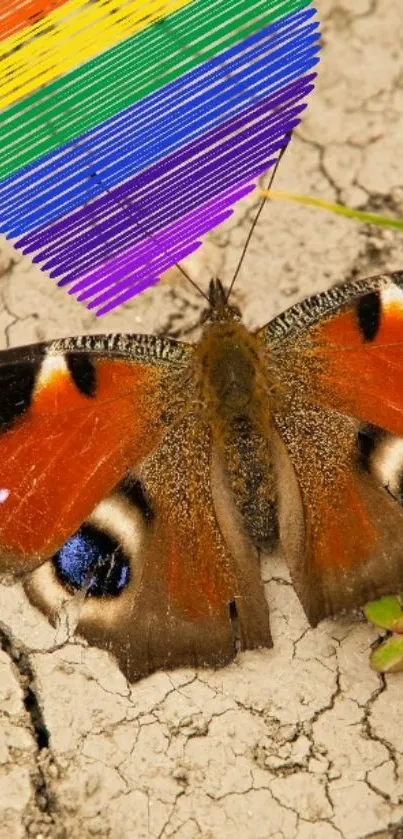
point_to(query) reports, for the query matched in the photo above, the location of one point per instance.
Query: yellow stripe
(79, 31)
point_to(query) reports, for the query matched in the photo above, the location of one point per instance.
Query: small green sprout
(387, 613)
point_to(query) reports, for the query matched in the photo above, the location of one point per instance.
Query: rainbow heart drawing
(129, 129)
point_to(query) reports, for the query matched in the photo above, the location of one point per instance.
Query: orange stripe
(20, 15)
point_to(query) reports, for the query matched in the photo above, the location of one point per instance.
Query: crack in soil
(393, 831)
(44, 799)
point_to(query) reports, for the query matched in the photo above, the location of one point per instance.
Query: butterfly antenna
(192, 282)
(130, 206)
(258, 213)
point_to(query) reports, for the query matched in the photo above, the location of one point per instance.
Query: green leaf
(386, 612)
(388, 657)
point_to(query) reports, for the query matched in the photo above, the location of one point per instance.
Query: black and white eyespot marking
(387, 465)
(381, 455)
(104, 556)
(368, 309)
(369, 438)
(83, 372)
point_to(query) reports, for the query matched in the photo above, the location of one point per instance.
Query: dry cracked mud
(299, 742)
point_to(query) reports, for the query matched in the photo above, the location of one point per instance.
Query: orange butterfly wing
(339, 360)
(358, 356)
(342, 534)
(69, 433)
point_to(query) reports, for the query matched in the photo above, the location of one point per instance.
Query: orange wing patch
(343, 533)
(68, 451)
(358, 375)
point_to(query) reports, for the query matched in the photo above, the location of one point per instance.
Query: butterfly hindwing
(340, 359)
(340, 530)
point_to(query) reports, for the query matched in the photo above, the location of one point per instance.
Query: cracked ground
(299, 742)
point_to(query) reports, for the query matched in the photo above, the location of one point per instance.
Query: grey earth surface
(302, 741)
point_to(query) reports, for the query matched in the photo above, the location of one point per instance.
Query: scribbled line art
(129, 129)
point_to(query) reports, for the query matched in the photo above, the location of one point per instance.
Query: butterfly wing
(74, 415)
(339, 360)
(350, 344)
(107, 471)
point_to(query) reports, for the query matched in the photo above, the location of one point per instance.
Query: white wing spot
(4, 493)
(392, 294)
(387, 463)
(51, 365)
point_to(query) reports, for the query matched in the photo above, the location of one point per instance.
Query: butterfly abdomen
(235, 391)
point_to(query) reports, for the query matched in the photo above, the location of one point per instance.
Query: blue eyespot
(94, 559)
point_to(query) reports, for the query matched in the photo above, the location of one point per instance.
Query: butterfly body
(141, 474)
(238, 394)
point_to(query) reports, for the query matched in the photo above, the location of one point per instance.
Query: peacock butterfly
(143, 474)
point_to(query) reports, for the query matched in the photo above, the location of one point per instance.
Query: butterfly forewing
(74, 416)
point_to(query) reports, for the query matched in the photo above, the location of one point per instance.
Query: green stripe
(102, 87)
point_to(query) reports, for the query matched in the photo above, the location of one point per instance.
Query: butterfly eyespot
(94, 560)
(368, 438)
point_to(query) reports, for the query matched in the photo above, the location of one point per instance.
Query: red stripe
(19, 15)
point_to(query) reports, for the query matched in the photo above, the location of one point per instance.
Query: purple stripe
(136, 289)
(129, 288)
(197, 223)
(131, 292)
(159, 266)
(142, 246)
(184, 237)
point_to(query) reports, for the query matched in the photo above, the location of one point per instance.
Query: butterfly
(144, 474)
